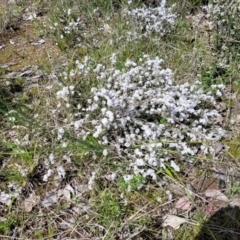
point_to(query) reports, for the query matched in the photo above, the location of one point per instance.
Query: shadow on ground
(223, 225)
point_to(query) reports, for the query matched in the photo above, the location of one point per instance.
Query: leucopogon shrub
(137, 112)
(153, 19)
(141, 115)
(224, 16)
(144, 20)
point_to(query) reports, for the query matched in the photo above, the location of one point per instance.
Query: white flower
(63, 93)
(61, 171)
(175, 166)
(150, 172)
(91, 181)
(78, 124)
(140, 162)
(138, 152)
(67, 158)
(110, 116)
(60, 133)
(105, 152)
(113, 58)
(98, 131)
(170, 196)
(128, 178)
(218, 93)
(51, 158)
(113, 176)
(105, 122)
(130, 63)
(47, 175)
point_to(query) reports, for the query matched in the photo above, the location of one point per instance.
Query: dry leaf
(235, 201)
(30, 202)
(106, 28)
(219, 120)
(175, 221)
(38, 42)
(218, 148)
(238, 117)
(183, 203)
(66, 192)
(49, 200)
(217, 194)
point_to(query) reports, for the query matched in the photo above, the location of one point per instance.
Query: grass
(108, 207)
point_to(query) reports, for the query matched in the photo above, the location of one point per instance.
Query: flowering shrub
(153, 19)
(225, 18)
(68, 28)
(142, 116)
(73, 28)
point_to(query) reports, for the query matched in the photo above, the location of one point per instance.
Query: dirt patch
(22, 46)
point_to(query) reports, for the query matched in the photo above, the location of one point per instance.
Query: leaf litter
(175, 221)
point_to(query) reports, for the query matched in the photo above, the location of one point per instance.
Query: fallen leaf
(49, 200)
(30, 202)
(106, 28)
(175, 221)
(177, 190)
(26, 73)
(217, 194)
(235, 201)
(217, 148)
(219, 120)
(38, 42)
(66, 192)
(238, 117)
(209, 209)
(30, 16)
(183, 203)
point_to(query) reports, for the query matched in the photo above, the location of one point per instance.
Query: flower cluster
(143, 116)
(154, 19)
(70, 27)
(225, 19)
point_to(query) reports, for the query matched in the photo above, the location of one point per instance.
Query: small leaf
(235, 202)
(106, 28)
(175, 221)
(218, 148)
(30, 202)
(66, 192)
(183, 203)
(50, 199)
(219, 120)
(217, 194)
